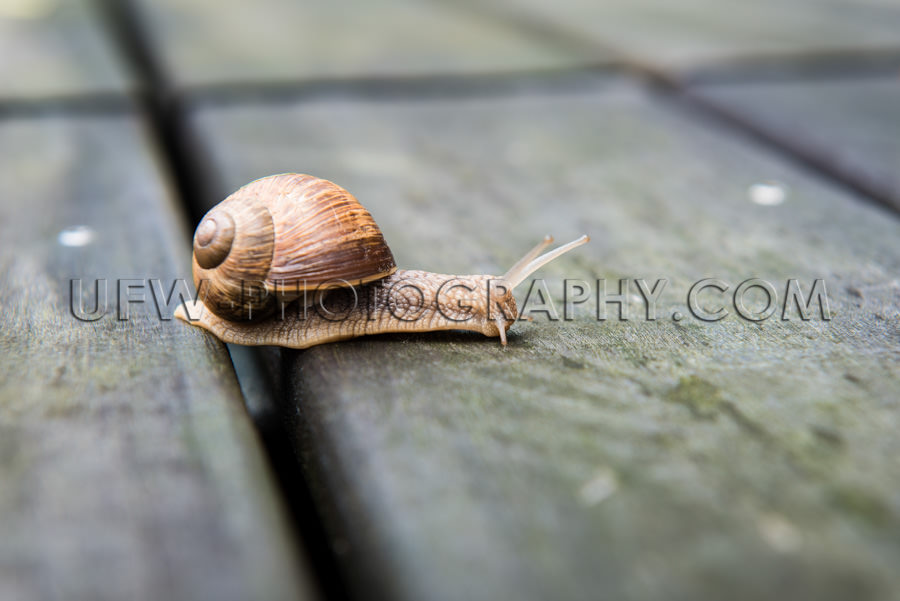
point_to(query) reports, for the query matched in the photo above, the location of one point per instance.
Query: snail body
(293, 260)
(388, 306)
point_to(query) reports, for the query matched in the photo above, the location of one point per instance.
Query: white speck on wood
(600, 487)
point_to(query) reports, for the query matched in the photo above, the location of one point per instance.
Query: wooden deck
(664, 458)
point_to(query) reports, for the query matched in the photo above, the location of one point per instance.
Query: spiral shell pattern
(280, 236)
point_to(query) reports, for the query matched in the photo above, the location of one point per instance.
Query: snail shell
(280, 236)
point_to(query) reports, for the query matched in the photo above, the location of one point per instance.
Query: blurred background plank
(56, 49)
(280, 41)
(684, 37)
(618, 459)
(849, 127)
(628, 459)
(129, 468)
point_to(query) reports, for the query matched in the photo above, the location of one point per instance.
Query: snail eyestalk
(528, 264)
(529, 257)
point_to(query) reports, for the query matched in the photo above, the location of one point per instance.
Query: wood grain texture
(849, 127)
(630, 459)
(278, 41)
(694, 35)
(128, 464)
(56, 49)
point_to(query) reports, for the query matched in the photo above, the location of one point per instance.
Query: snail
(293, 260)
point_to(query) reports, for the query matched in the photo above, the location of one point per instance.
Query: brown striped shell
(280, 236)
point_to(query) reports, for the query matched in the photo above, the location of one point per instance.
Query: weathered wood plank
(687, 36)
(277, 41)
(851, 127)
(619, 459)
(128, 464)
(53, 48)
